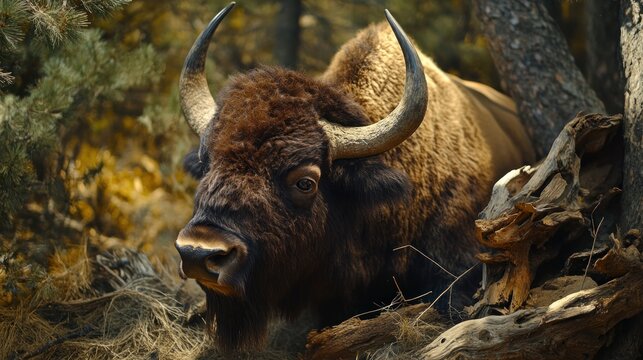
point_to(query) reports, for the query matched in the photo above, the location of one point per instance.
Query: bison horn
(354, 142)
(196, 100)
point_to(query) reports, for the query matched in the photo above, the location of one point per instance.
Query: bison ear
(369, 182)
(197, 162)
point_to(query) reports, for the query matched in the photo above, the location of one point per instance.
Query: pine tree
(54, 68)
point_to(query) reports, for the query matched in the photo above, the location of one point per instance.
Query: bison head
(287, 166)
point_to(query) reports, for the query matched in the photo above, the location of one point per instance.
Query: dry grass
(140, 319)
(136, 321)
(411, 338)
(121, 305)
(69, 276)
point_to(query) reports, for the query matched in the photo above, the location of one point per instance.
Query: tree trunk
(536, 67)
(604, 66)
(554, 9)
(632, 52)
(287, 33)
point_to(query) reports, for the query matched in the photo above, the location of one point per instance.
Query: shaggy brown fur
(470, 137)
(334, 254)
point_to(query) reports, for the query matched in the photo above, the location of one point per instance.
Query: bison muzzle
(307, 186)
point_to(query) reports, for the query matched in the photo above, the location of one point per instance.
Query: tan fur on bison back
(470, 135)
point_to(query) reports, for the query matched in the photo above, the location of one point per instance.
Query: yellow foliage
(129, 198)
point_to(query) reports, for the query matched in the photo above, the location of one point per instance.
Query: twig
(591, 252)
(594, 233)
(420, 296)
(393, 303)
(399, 290)
(427, 257)
(444, 292)
(397, 301)
(413, 298)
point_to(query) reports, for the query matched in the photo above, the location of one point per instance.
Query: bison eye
(306, 185)
(302, 183)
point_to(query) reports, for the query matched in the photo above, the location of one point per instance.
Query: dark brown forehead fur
(271, 115)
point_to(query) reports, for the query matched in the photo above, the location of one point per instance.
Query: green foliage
(100, 7)
(59, 87)
(75, 79)
(13, 13)
(16, 174)
(52, 21)
(60, 80)
(55, 22)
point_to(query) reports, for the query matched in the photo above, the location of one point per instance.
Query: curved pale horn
(355, 142)
(196, 100)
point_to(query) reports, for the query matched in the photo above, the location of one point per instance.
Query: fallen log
(573, 327)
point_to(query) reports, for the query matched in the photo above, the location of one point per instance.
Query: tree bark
(632, 52)
(287, 34)
(604, 65)
(536, 67)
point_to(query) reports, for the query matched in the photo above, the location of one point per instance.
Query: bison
(308, 185)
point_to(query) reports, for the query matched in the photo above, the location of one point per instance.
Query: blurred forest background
(91, 134)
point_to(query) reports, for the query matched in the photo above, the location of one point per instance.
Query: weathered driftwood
(529, 206)
(571, 328)
(354, 336)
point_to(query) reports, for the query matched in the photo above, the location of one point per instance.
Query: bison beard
(235, 323)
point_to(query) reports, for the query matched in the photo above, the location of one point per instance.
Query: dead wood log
(536, 67)
(354, 336)
(529, 206)
(571, 328)
(556, 289)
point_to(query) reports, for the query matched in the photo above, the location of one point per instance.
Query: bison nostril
(219, 259)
